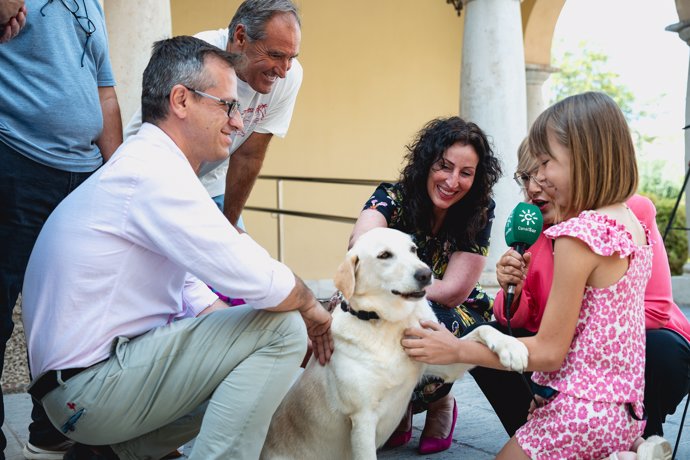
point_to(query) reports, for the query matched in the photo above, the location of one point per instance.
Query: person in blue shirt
(59, 121)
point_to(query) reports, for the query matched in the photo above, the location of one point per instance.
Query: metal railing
(280, 211)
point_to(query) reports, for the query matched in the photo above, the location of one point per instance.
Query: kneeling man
(128, 254)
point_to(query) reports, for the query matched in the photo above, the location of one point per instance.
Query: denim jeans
(29, 192)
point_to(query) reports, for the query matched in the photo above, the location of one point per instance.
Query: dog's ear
(344, 279)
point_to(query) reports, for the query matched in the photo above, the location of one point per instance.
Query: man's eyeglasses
(233, 106)
(523, 179)
(84, 22)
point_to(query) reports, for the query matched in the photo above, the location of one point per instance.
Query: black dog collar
(361, 314)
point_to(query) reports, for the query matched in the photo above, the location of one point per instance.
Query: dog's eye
(413, 249)
(384, 255)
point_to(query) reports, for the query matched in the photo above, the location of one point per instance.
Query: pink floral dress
(601, 381)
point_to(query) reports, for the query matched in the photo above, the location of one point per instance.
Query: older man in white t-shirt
(266, 34)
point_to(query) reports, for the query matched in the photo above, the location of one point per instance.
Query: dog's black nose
(423, 275)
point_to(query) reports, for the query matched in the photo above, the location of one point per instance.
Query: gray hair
(176, 61)
(254, 14)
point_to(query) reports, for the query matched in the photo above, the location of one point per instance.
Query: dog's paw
(511, 352)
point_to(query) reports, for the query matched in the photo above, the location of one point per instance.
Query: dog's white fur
(349, 407)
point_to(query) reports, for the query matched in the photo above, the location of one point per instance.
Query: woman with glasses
(443, 199)
(667, 369)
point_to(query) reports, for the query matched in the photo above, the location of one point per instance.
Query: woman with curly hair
(443, 200)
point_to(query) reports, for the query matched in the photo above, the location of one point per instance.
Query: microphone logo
(523, 226)
(529, 217)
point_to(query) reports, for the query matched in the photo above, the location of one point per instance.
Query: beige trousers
(219, 377)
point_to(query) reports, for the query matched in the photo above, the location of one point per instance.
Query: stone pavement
(478, 435)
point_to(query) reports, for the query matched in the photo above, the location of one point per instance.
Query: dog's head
(382, 268)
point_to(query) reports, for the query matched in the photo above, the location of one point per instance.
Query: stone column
(681, 284)
(131, 32)
(536, 75)
(493, 95)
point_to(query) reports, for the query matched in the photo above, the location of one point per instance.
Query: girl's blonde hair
(593, 129)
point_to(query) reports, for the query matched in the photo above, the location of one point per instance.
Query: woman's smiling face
(451, 177)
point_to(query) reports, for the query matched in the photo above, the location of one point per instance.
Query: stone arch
(539, 19)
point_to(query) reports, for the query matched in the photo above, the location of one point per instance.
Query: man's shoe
(54, 452)
(84, 452)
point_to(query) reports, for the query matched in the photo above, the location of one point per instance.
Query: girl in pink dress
(590, 345)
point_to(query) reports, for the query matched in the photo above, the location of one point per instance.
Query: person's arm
(464, 269)
(207, 246)
(215, 306)
(111, 136)
(198, 298)
(315, 316)
(133, 125)
(512, 268)
(245, 164)
(12, 25)
(574, 263)
(461, 276)
(368, 219)
(521, 312)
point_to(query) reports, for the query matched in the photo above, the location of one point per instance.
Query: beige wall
(374, 73)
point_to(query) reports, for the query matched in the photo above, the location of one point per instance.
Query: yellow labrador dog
(349, 407)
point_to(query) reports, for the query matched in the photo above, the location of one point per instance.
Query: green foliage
(677, 241)
(588, 70)
(652, 182)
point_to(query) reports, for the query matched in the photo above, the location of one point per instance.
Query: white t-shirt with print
(262, 113)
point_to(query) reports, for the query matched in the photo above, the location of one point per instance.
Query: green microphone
(523, 227)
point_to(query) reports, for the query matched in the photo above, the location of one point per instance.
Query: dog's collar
(361, 314)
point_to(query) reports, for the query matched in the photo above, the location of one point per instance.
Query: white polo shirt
(125, 252)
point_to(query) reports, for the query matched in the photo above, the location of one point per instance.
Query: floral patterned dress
(435, 251)
(601, 382)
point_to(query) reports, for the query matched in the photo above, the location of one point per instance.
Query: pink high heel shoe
(401, 437)
(429, 445)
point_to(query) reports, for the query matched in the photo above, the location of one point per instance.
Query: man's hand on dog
(318, 322)
(432, 343)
